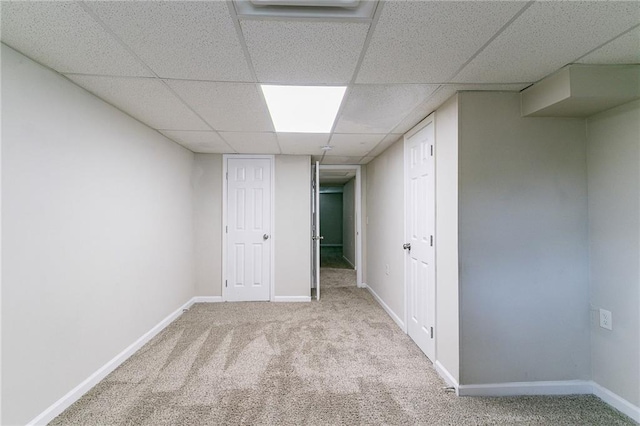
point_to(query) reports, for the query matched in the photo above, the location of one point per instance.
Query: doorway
(420, 286)
(247, 228)
(337, 232)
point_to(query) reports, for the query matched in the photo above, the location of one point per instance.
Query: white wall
(385, 227)
(207, 217)
(614, 241)
(349, 221)
(447, 299)
(522, 243)
(97, 234)
(293, 225)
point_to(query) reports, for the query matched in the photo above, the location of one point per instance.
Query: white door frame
(431, 118)
(358, 215)
(225, 157)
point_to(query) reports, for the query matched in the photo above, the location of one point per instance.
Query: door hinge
(431, 241)
(227, 176)
(226, 229)
(432, 150)
(432, 332)
(225, 284)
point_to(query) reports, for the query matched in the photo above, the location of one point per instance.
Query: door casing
(272, 238)
(358, 214)
(428, 120)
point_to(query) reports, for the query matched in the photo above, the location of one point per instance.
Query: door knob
(265, 237)
(320, 237)
(407, 246)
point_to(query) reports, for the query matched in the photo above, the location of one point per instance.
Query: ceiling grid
(192, 70)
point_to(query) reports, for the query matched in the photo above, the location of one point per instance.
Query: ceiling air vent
(350, 10)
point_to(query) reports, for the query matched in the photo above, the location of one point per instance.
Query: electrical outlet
(606, 320)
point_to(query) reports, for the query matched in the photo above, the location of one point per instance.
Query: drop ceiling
(191, 70)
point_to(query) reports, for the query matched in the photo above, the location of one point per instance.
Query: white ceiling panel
(64, 37)
(428, 41)
(191, 40)
(340, 160)
(548, 36)
(623, 50)
(295, 52)
(389, 140)
(146, 99)
(226, 106)
(199, 141)
(302, 143)
(379, 108)
(352, 145)
(252, 142)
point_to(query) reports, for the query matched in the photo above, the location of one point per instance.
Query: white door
(315, 236)
(248, 229)
(419, 247)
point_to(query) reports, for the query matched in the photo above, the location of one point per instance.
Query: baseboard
(72, 396)
(207, 299)
(446, 376)
(389, 311)
(292, 299)
(349, 262)
(565, 387)
(617, 402)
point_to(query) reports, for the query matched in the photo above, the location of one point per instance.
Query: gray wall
(331, 218)
(97, 234)
(293, 225)
(384, 224)
(207, 222)
(614, 231)
(522, 243)
(447, 296)
(349, 222)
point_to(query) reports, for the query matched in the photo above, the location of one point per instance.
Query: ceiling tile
(146, 99)
(302, 143)
(340, 160)
(352, 145)
(379, 108)
(428, 41)
(226, 106)
(61, 35)
(389, 140)
(199, 141)
(441, 95)
(623, 50)
(548, 36)
(180, 39)
(292, 52)
(252, 142)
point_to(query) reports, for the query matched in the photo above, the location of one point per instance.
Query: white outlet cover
(606, 319)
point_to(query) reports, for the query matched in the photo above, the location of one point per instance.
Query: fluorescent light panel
(303, 109)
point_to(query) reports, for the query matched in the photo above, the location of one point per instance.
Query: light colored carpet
(338, 361)
(336, 277)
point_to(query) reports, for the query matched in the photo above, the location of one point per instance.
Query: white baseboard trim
(292, 299)
(565, 387)
(386, 307)
(446, 376)
(617, 402)
(72, 396)
(207, 299)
